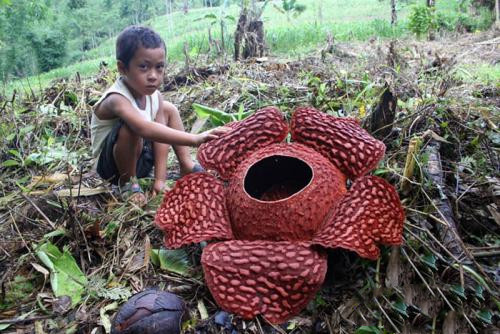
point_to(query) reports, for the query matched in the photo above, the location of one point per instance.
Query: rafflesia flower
(275, 206)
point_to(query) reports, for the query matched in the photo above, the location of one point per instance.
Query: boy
(132, 127)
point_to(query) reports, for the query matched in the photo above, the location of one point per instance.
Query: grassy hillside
(345, 19)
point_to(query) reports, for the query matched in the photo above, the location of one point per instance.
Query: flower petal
(275, 279)
(283, 192)
(224, 154)
(370, 213)
(193, 211)
(348, 146)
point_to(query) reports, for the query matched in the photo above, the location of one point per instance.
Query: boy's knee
(127, 133)
(129, 137)
(170, 110)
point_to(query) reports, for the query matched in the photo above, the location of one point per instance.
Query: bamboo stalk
(413, 148)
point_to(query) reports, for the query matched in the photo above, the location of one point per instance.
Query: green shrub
(464, 21)
(446, 21)
(472, 23)
(422, 20)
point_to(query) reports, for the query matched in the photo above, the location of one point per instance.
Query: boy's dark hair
(134, 37)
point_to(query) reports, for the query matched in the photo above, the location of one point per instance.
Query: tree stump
(381, 120)
(250, 33)
(254, 40)
(240, 31)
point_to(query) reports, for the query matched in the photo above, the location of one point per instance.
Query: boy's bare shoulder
(112, 106)
(167, 104)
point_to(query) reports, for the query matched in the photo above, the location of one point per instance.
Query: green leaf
(475, 142)
(400, 307)
(474, 274)
(485, 316)
(202, 309)
(458, 290)
(15, 153)
(241, 109)
(217, 117)
(210, 16)
(319, 300)
(4, 326)
(26, 129)
(110, 229)
(56, 233)
(380, 171)
(429, 260)
(66, 278)
(23, 189)
(242, 114)
(368, 330)
(99, 287)
(10, 136)
(174, 260)
(106, 323)
(70, 97)
(479, 292)
(10, 163)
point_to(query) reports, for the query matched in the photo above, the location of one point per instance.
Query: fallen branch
(40, 211)
(449, 234)
(495, 40)
(434, 170)
(193, 75)
(20, 320)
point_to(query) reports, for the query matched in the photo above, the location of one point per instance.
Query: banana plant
(221, 19)
(290, 7)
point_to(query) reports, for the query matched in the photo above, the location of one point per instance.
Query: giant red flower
(276, 205)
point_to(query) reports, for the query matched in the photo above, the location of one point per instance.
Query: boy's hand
(212, 134)
(158, 188)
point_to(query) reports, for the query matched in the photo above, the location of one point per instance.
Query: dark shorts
(106, 166)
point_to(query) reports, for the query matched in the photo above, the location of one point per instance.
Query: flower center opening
(277, 177)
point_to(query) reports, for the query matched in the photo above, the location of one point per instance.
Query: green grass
(346, 19)
(85, 68)
(484, 73)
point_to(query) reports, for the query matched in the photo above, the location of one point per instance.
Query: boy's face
(145, 71)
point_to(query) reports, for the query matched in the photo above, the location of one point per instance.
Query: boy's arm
(121, 107)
